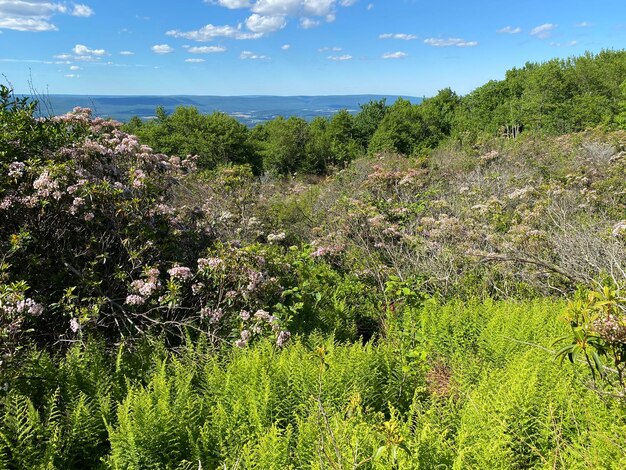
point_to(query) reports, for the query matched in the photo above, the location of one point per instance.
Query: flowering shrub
(101, 234)
(83, 208)
(598, 323)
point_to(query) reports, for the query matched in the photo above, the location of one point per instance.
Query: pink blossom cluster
(210, 263)
(21, 306)
(16, 169)
(213, 315)
(134, 299)
(283, 338)
(145, 287)
(327, 250)
(276, 237)
(611, 328)
(46, 186)
(180, 272)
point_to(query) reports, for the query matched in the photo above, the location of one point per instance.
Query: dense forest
(415, 286)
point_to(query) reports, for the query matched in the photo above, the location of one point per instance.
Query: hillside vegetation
(417, 286)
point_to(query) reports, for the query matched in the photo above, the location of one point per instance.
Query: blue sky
(289, 47)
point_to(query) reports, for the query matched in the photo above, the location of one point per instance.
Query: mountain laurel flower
(45, 185)
(262, 315)
(29, 201)
(29, 306)
(180, 272)
(241, 343)
(16, 169)
(152, 274)
(197, 288)
(213, 315)
(282, 338)
(134, 299)
(7, 202)
(210, 263)
(246, 335)
(327, 250)
(144, 288)
(255, 278)
(74, 325)
(216, 315)
(138, 179)
(276, 237)
(89, 216)
(244, 315)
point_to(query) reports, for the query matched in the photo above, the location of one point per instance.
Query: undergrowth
(454, 385)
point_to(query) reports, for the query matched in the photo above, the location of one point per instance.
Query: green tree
(345, 147)
(216, 138)
(400, 131)
(319, 154)
(438, 114)
(284, 148)
(368, 119)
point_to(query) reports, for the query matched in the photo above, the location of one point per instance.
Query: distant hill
(249, 110)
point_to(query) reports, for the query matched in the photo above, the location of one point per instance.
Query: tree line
(555, 97)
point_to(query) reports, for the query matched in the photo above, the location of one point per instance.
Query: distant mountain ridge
(249, 109)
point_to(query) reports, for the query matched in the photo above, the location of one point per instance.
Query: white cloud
(31, 15)
(82, 53)
(74, 67)
(395, 55)
(82, 10)
(71, 75)
(543, 31)
(319, 7)
(162, 49)
(340, 58)
(80, 49)
(194, 61)
(265, 24)
(509, 30)
(584, 24)
(449, 42)
(248, 55)
(205, 49)
(271, 15)
(127, 53)
(27, 24)
(403, 36)
(334, 49)
(210, 32)
(285, 47)
(308, 23)
(370, 6)
(285, 7)
(231, 4)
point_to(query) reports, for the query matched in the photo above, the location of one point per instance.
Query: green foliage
(217, 139)
(554, 97)
(400, 131)
(368, 119)
(598, 323)
(284, 145)
(489, 396)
